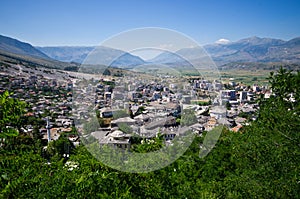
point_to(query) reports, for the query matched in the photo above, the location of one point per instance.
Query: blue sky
(66, 22)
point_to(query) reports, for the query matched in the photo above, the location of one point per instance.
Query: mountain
(126, 60)
(102, 54)
(182, 56)
(112, 57)
(14, 46)
(67, 53)
(56, 57)
(7, 58)
(15, 52)
(253, 49)
(166, 57)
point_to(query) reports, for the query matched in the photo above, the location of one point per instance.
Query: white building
(243, 96)
(218, 112)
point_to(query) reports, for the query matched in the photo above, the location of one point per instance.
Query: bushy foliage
(11, 111)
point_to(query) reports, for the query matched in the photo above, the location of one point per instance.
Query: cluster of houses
(47, 98)
(150, 107)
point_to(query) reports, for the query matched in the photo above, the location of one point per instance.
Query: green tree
(228, 106)
(11, 111)
(149, 145)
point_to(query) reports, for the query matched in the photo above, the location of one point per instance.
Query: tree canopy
(11, 111)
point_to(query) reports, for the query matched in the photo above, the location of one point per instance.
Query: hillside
(11, 58)
(16, 52)
(14, 46)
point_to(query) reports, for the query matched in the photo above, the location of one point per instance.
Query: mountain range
(103, 54)
(253, 49)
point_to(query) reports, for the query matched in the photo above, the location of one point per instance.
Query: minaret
(48, 130)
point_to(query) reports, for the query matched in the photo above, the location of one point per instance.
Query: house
(169, 135)
(126, 120)
(117, 96)
(63, 122)
(197, 128)
(256, 88)
(116, 138)
(224, 121)
(236, 128)
(212, 123)
(166, 122)
(228, 94)
(186, 99)
(142, 117)
(240, 120)
(243, 96)
(156, 95)
(107, 95)
(267, 94)
(106, 113)
(218, 112)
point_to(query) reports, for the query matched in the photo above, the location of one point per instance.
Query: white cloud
(222, 41)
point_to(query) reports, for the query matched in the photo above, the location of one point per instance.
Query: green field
(246, 77)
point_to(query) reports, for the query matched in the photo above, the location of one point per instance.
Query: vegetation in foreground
(261, 161)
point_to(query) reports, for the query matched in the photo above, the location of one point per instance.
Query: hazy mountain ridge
(79, 54)
(112, 57)
(21, 48)
(67, 53)
(253, 49)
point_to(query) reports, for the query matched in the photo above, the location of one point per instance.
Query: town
(127, 106)
(131, 105)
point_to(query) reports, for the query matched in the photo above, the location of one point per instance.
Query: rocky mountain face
(256, 49)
